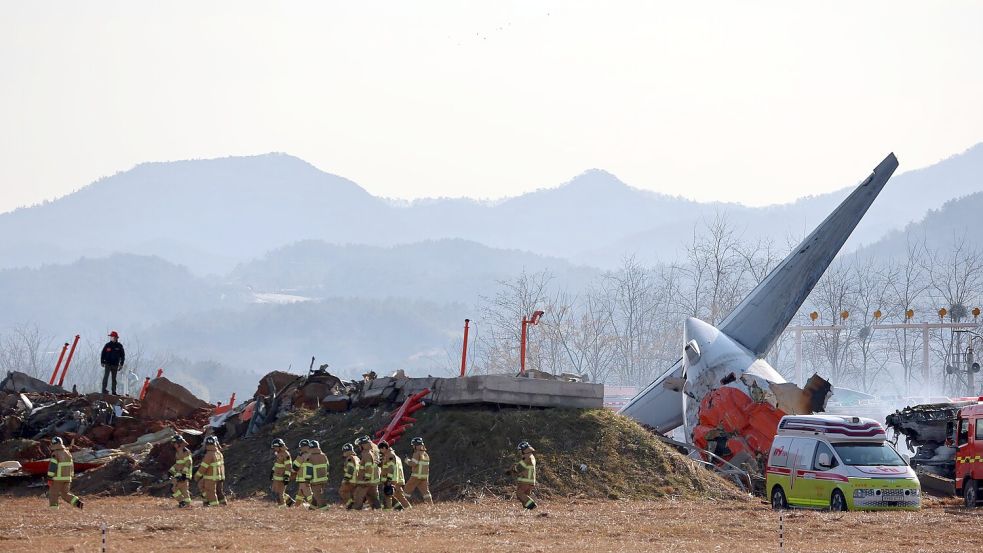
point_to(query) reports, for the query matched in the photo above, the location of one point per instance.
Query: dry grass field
(145, 525)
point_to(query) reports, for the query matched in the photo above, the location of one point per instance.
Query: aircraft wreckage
(727, 398)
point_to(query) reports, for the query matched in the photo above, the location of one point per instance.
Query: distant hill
(113, 292)
(959, 218)
(905, 199)
(353, 335)
(441, 270)
(207, 214)
(211, 215)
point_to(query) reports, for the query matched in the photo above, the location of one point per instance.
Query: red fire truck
(947, 439)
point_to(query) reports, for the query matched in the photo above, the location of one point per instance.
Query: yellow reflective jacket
(182, 462)
(420, 462)
(61, 467)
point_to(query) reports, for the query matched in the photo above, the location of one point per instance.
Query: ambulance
(838, 463)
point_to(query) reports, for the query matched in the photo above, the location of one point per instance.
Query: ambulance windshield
(868, 454)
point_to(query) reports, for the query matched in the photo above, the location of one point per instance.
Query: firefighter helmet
(211, 440)
(278, 443)
(348, 447)
(416, 441)
(57, 441)
(314, 444)
(524, 446)
(304, 443)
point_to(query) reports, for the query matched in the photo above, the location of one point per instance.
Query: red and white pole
(71, 353)
(522, 348)
(58, 364)
(464, 348)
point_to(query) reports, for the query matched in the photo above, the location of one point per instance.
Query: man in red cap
(112, 359)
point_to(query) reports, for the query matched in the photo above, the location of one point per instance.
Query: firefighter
(61, 470)
(220, 483)
(299, 473)
(349, 475)
(280, 474)
(367, 484)
(526, 471)
(392, 478)
(420, 475)
(180, 472)
(210, 472)
(318, 465)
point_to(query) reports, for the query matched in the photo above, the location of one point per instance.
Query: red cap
(114, 334)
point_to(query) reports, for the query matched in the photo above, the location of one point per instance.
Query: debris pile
(99, 430)
(122, 445)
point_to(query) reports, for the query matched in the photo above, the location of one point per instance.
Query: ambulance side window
(802, 453)
(823, 448)
(963, 436)
(779, 452)
(979, 429)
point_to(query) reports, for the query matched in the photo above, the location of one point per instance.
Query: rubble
(166, 400)
(20, 382)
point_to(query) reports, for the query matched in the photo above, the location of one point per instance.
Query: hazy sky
(710, 100)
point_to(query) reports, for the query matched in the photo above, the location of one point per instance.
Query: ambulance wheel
(971, 493)
(837, 502)
(778, 501)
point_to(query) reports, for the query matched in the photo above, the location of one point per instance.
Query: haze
(709, 100)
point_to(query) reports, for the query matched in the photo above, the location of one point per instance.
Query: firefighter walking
(61, 470)
(299, 472)
(367, 484)
(210, 472)
(280, 473)
(220, 483)
(180, 472)
(420, 475)
(526, 471)
(349, 477)
(393, 478)
(318, 464)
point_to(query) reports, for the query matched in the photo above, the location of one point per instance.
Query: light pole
(522, 341)
(972, 365)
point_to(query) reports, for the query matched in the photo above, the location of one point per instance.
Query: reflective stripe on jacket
(182, 463)
(298, 466)
(351, 469)
(527, 470)
(318, 468)
(61, 468)
(281, 467)
(421, 465)
(368, 469)
(392, 470)
(212, 467)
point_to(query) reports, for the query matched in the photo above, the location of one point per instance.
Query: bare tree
(872, 287)
(27, 349)
(833, 294)
(906, 291)
(501, 315)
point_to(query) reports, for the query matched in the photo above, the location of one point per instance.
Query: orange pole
(160, 372)
(143, 390)
(71, 352)
(58, 364)
(522, 348)
(464, 349)
(232, 400)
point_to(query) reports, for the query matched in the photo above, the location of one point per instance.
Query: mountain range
(211, 215)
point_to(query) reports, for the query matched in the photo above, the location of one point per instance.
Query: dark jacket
(113, 354)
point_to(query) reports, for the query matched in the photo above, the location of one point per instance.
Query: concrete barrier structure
(500, 389)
